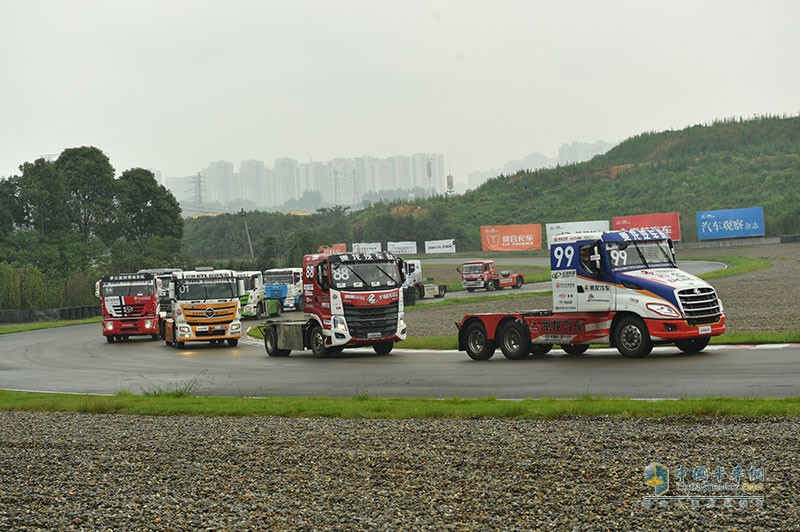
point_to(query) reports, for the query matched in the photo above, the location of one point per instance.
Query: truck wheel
(154, 336)
(442, 291)
(259, 311)
(540, 349)
(470, 290)
(515, 341)
(574, 349)
(518, 283)
(300, 303)
(317, 341)
(489, 286)
(383, 348)
(479, 347)
(693, 345)
(271, 343)
(110, 339)
(233, 342)
(631, 338)
(178, 345)
(420, 292)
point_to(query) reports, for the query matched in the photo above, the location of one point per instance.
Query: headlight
(108, 325)
(184, 329)
(663, 310)
(339, 324)
(235, 326)
(148, 324)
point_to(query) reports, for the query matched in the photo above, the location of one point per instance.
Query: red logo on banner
(334, 248)
(669, 222)
(511, 237)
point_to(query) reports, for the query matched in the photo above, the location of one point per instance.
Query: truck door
(593, 291)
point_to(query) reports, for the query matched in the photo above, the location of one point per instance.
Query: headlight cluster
(663, 310)
(339, 324)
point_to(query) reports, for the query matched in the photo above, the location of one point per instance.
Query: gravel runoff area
(116, 472)
(119, 472)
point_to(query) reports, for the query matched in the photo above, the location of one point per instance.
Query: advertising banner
(511, 237)
(333, 248)
(366, 247)
(730, 223)
(402, 248)
(669, 222)
(440, 246)
(574, 227)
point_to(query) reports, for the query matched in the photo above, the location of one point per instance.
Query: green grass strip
(366, 407)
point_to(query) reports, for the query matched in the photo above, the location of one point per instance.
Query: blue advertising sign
(730, 223)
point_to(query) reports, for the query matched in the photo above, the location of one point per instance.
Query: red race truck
(483, 274)
(620, 288)
(349, 300)
(129, 304)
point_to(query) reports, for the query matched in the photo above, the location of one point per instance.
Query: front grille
(371, 322)
(223, 313)
(133, 310)
(700, 305)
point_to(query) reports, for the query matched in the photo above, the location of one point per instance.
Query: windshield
(128, 289)
(639, 255)
(279, 278)
(249, 282)
(365, 276)
(203, 289)
(472, 268)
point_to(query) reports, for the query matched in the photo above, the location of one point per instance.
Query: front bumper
(671, 330)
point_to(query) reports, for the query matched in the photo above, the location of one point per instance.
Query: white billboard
(574, 227)
(402, 248)
(366, 247)
(440, 246)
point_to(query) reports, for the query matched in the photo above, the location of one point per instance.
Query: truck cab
(349, 300)
(482, 273)
(285, 285)
(205, 307)
(129, 304)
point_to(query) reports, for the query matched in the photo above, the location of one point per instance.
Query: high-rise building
(253, 175)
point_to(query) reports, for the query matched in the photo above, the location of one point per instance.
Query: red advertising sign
(669, 222)
(511, 237)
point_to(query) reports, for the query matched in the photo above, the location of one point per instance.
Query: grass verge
(365, 407)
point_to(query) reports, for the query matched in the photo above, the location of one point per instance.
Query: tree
(89, 177)
(43, 199)
(145, 208)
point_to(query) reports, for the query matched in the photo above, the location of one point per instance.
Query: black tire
(518, 283)
(383, 348)
(233, 342)
(693, 345)
(479, 347)
(178, 345)
(420, 292)
(632, 338)
(154, 336)
(515, 341)
(574, 349)
(442, 291)
(470, 290)
(300, 303)
(540, 349)
(110, 339)
(271, 343)
(490, 286)
(259, 311)
(316, 341)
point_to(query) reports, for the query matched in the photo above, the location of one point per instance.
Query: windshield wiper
(641, 255)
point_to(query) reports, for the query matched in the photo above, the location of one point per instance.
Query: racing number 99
(564, 253)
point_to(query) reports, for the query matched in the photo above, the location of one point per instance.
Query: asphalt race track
(77, 359)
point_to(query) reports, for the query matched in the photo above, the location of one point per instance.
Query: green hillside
(725, 165)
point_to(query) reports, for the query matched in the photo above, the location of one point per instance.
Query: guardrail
(50, 314)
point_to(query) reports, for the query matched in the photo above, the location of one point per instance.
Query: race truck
(619, 288)
(483, 274)
(204, 307)
(349, 300)
(285, 285)
(163, 275)
(253, 299)
(129, 304)
(413, 272)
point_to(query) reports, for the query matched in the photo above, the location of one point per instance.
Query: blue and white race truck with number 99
(620, 288)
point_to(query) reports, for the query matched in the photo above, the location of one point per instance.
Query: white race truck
(413, 270)
(620, 288)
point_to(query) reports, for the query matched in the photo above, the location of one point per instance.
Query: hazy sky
(173, 85)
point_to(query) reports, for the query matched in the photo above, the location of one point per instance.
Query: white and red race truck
(620, 288)
(129, 304)
(423, 288)
(482, 273)
(349, 300)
